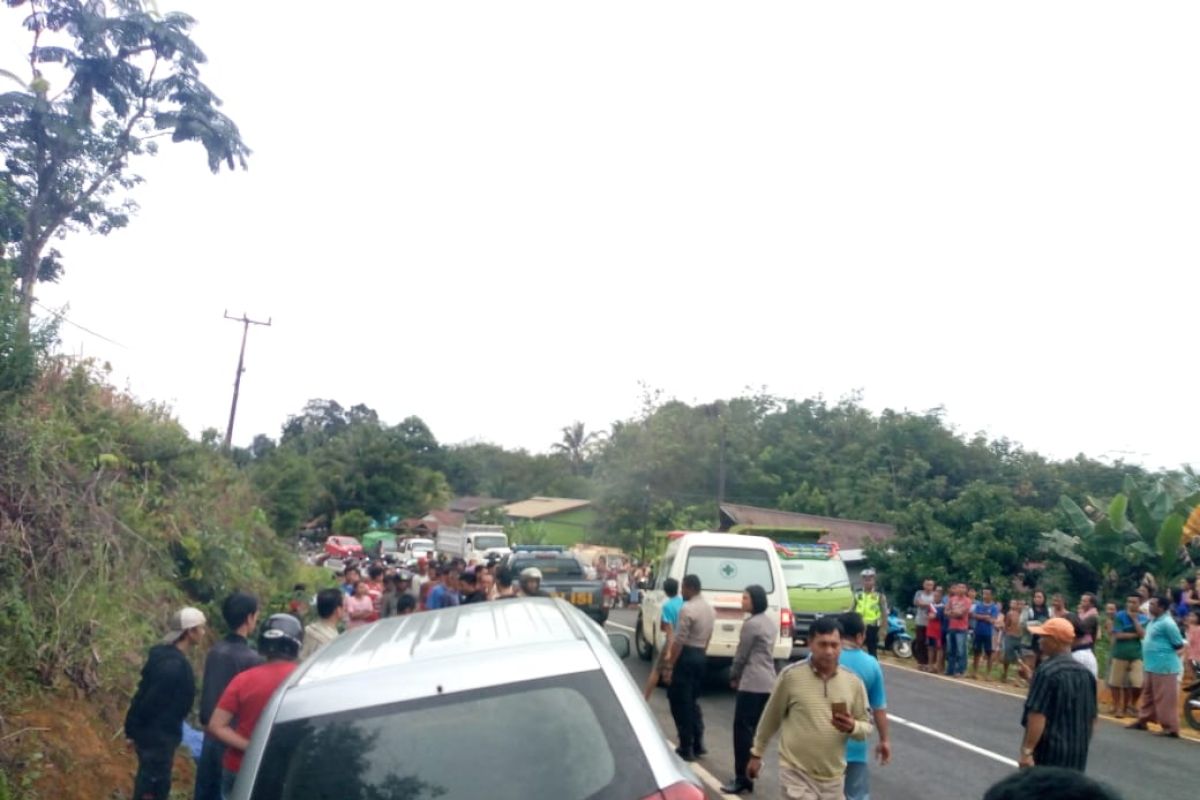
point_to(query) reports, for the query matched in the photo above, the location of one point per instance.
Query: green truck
(817, 581)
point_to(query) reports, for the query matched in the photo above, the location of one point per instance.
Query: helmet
(282, 635)
(531, 574)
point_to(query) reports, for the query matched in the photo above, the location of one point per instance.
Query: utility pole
(237, 381)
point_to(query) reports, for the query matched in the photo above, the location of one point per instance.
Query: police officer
(873, 607)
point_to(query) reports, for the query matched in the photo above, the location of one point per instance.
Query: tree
(106, 79)
(352, 523)
(576, 445)
(287, 484)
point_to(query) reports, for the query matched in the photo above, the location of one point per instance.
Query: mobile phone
(840, 708)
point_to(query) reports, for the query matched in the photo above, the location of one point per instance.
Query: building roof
(542, 507)
(469, 505)
(415, 525)
(444, 516)
(850, 534)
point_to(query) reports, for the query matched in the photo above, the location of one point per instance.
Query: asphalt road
(950, 741)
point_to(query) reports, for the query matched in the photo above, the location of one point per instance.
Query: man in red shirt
(958, 620)
(246, 696)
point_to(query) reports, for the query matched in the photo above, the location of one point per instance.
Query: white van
(726, 564)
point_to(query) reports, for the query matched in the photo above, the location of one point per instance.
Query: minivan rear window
(730, 569)
(490, 743)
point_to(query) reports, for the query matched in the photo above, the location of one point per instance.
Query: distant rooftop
(539, 507)
(469, 505)
(850, 534)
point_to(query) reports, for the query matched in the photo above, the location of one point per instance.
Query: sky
(503, 217)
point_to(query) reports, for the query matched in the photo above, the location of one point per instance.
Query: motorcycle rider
(531, 583)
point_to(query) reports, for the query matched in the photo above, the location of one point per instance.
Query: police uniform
(873, 608)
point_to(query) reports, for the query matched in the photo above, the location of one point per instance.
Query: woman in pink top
(359, 607)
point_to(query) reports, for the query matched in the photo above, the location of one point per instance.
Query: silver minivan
(508, 700)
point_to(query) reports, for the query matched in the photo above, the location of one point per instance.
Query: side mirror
(620, 644)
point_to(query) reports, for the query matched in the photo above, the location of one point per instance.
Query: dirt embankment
(61, 746)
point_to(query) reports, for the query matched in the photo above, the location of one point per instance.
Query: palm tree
(576, 445)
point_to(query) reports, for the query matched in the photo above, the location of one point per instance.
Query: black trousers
(687, 681)
(153, 781)
(747, 710)
(873, 640)
(921, 646)
(208, 771)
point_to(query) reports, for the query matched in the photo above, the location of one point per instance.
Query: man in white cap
(164, 698)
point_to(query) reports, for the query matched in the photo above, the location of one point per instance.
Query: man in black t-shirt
(228, 657)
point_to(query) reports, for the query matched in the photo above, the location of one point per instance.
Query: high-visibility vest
(867, 604)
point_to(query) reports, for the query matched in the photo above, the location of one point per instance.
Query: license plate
(581, 598)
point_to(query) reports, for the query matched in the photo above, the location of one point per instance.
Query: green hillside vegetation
(966, 507)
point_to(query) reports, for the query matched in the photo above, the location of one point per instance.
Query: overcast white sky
(501, 216)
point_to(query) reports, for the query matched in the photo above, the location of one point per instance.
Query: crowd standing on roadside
(239, 679)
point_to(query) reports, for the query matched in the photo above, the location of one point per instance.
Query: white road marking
(957, 681)
(945, 737)
(621, 627)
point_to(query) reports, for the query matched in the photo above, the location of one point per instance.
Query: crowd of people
(238, 679)
(825, 707)
(1150, 641)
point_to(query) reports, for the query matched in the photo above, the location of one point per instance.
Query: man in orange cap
(1060, 710)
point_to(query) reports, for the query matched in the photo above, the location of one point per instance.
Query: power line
(62, 318)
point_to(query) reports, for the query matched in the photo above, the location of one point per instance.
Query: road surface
(950, 741)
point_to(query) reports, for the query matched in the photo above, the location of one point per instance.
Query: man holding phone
(817, 707)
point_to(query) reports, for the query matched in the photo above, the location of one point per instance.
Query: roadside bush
(110, 518)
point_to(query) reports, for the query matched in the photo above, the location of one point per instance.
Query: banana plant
(1140, 530)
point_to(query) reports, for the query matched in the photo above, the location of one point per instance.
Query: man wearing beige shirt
(683, 669)
(324, 630)
(817, 707)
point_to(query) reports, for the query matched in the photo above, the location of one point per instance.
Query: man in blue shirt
(350, 578)
(1160, 659)
(668, 620)
(984, 616)
(671, 608)
(445, 594)
(858, 661)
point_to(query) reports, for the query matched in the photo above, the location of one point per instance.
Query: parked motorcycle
(898, 640)
(1191, 706)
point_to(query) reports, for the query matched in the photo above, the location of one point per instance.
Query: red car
(343, 547)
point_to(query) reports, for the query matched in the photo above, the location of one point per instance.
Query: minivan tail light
(785, 623)
(678, 791)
